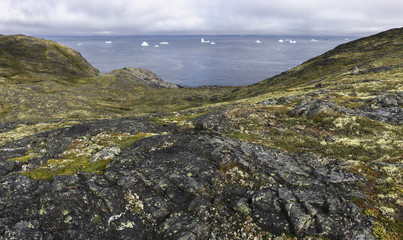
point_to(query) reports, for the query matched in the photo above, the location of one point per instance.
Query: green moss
(25, 158)
(96, 218)
(65, 167)
(77, 156)
(124, 141)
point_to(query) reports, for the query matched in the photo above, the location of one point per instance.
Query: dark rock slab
(184, 185)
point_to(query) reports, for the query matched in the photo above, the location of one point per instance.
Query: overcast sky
(131, 17)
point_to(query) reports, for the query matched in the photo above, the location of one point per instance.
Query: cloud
(198, 17)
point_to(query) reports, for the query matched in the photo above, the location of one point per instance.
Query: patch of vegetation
(77, 156)
(29, 155)
(180, 119)
(369, 148)
(28, 129)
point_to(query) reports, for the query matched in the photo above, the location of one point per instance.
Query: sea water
(233, 60)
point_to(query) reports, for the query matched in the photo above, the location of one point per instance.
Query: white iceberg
(108, 42)
(164, 43)
(314, 40)
(258, 41)
(281, 41)
(293, 41)
(145, 44)
(212, 43)
(204, 41)
(157, 45)
(78, 44)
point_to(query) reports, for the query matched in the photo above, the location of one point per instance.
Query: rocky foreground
(193, 184)
(313, 153)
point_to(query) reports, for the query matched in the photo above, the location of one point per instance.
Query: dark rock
(313, 106)
(389, 101)
(186, 185)
(387, 111)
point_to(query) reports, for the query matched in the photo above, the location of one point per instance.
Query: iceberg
(281, 41)
(164, 43)
(212, 43)
(157, 45)
(204, 41)
(314, 40)
(293, 41)
(258, 41)
(108, 42)
(78, 44)
(144, 44)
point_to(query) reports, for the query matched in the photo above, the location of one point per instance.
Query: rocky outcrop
(386, 108)
(310, 107)
(143, 76)
(192, 184)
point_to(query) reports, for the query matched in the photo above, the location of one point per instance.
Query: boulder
(109, 152)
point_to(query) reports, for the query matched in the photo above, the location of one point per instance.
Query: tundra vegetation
(62, 123)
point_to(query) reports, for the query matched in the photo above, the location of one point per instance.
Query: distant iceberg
(157, 45)
(204, 41)
(212, 43)
(164, 43)
(293, 41)
(108, 42)
(281, 41)
(145, 44)
(258, 41)
(314, 40)
(78, 44)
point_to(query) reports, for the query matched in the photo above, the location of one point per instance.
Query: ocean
(233, 60)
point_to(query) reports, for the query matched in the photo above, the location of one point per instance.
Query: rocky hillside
(314, 153)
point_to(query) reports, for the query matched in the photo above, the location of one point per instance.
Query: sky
(143, 17)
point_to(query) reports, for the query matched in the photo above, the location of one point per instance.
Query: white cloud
(199, 16)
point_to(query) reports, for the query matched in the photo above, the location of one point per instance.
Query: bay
(233, 60)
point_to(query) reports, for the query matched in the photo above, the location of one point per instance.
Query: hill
(313, 153)
(32, 59)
